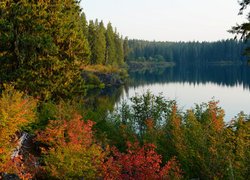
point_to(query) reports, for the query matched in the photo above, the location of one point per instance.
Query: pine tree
(97, 41)
(110, 46)
(92, 41)
(101, 42)
(84, 24)
(119, 49)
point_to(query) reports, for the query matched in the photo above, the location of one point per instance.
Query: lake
(188, 85)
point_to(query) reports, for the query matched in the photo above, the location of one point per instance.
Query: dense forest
(188, 53)
(50, 55)
(44, 46)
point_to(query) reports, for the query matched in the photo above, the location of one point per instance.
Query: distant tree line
(44, 46)
(187, 52)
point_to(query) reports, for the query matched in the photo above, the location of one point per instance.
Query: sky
(167, 20)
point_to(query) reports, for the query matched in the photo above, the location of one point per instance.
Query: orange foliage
(72, 151)
(217, 115)
(75, 132)
(25, 167)
(150, 124)
(16, 111)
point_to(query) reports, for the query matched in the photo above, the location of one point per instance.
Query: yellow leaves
(217, 115)
(72, 150)
(16, 111)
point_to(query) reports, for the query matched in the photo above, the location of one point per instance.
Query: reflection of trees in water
(99, 101)
(221, 75)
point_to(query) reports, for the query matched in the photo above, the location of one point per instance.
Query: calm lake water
(230, 85)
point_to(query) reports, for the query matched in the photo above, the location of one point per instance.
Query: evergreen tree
(97, 41)
(42, 46)
(125, 49)
(119, 49)
(100, 42)
(110, 46)
(84, 24)
(92, 41)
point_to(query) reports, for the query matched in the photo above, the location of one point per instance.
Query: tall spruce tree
(101, 42)
(42, 46)
(92, 41)
(84, 24)
(110, 45)
(119, 49)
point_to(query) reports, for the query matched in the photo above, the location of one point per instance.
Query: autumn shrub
(238, 145)
(144, 116)
(206, 147)
(140, 163)
(16, 111)
(198, 140)
(22, 166)
(70, 150)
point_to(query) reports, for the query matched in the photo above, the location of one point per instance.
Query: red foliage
(25, 167)
(71, 149)
(171, 169)
(139, 163)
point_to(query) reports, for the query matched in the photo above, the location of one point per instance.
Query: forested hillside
(188, 53)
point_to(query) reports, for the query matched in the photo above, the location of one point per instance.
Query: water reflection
(99, 101)
(189, 85)
(221, 75)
